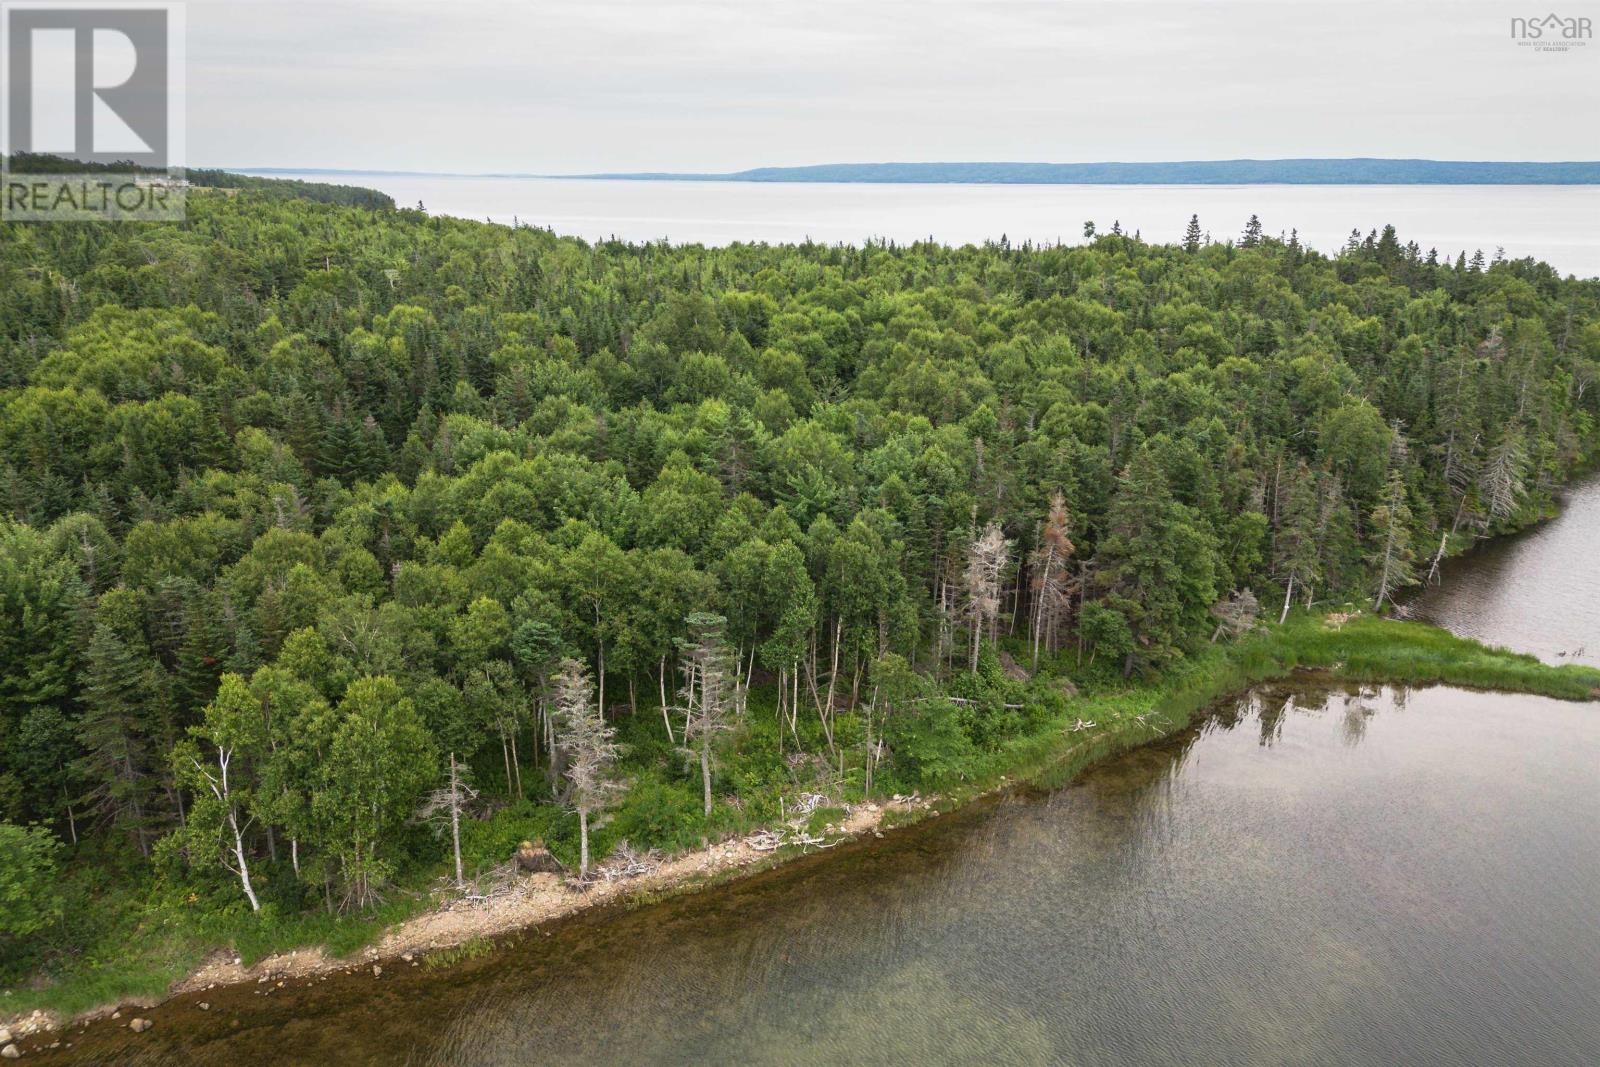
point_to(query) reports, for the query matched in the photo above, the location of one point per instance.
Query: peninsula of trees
(344, 547)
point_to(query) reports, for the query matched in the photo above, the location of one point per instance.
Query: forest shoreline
(340, 495)
(1336, 646)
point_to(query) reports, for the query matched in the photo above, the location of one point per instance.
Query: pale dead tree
(1052, 588)
(944, 635)
(705, 692)
(1585, 372)
(1438, 558)
(1236, 615)
(1399, 444)
(442, 808)
(588, 743)
(986, 562)
(1500, 482)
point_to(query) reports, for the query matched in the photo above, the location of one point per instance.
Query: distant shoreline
(1360, 171)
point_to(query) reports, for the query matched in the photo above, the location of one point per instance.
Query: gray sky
(560, 86)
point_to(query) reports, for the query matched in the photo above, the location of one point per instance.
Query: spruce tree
(1159, 558)
(117, 763)
(1295, 548)
(1252, 233)
(1192, 235)
(1393, 557)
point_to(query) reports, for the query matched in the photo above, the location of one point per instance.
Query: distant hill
(349, 195)
(1197, 172)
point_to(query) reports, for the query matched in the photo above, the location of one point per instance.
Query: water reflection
(1310, 876)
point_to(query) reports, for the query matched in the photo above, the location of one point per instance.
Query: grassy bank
(147, 937)
(1358, 649)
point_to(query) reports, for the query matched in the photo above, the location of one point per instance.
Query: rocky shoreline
(526, 902)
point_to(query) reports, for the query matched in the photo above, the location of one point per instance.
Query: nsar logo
(1552, 33)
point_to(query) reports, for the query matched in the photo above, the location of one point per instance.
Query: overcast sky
(564, 86)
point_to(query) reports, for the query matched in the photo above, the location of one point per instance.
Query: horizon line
(763, 174)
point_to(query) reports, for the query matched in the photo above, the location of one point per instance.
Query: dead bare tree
(706, 699)
(1052, 589)
(587, 742)
(1501, 481)
(443, 807)
(986, 561)
(1236, 615)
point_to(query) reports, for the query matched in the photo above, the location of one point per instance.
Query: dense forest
(30, 163)
(343, 546)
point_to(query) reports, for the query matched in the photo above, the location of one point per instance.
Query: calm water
(1311, 876)
(1557, 224)
(1538, 591)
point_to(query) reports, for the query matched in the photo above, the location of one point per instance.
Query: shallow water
(1311, 876)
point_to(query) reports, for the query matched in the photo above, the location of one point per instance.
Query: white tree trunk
(583, 843)
(665, 718)
(455, 817)
(705, 770)
(244, 866)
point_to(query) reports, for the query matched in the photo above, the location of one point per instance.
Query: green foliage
(336, 487)
(29, 897)
(655, 814)
(379, 758)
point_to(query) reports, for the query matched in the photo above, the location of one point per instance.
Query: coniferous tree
(1296, 548)
(1394, 556)
(1192, 235)
(1500, 483)
(1158, 560)
(118, 763)
(1252, 233)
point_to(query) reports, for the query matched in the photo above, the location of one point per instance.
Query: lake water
(1312, 875)
(1557, 224)
(1537, 591)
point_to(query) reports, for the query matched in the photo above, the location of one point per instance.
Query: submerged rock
(11, 1051)
(139, 1026)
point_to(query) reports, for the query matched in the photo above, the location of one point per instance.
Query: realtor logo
(98, 85)
(1552, 33)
